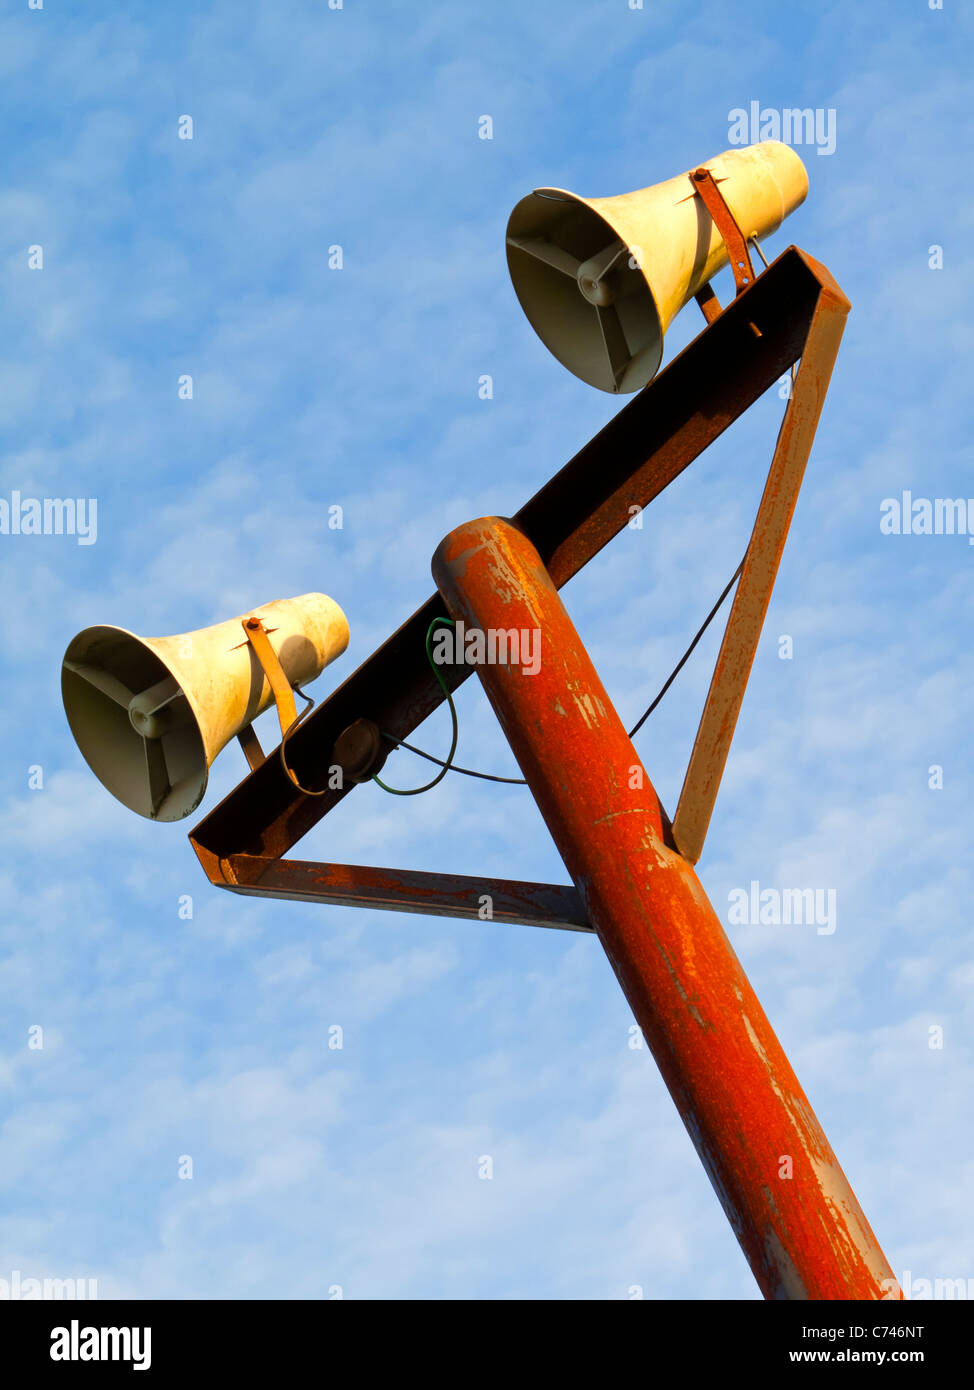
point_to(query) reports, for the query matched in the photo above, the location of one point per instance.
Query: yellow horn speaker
(601, 279)
(150, 714)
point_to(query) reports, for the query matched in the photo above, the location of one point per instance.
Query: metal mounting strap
(734, 239)
(277, 680)
(273, 670)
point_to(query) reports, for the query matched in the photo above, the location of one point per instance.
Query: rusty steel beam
(638, 453)
(742, 634)
(781, 1187)
(404, 890)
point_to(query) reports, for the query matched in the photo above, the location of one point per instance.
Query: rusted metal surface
(734, 239)
(723, 705)
(402, 890)
(709, 304)
(250, 743)
(638, 453)
(788, 1201)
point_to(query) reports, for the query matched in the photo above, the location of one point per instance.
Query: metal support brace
(406, 890)
(633, 881)
(793, 311)
(723, 704)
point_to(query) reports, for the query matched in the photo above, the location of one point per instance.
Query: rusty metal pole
(789, 1203)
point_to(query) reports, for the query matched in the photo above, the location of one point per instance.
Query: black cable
(444, 767)
(519, 781)
(689, 651)
(467, 772)
(309, 705)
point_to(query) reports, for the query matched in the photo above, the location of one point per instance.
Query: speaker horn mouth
(133, 724)
(582, 291)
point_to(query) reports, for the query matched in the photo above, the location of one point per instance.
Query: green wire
(415, 791)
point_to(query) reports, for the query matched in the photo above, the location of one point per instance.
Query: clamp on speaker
(358, 752)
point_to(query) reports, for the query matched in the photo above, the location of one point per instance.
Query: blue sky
(358, 1168)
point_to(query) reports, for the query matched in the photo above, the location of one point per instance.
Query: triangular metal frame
(793, 311)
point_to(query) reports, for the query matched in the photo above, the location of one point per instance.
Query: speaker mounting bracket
(257, 637)
(693, 1004)
(734, 239)
(726, 223)
(792, 312)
